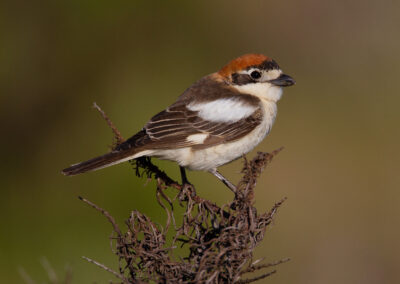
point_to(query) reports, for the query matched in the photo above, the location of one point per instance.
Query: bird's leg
(185, 182)
(183, 176)
(224, 180)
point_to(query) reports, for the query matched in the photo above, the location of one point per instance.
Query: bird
(218, 119)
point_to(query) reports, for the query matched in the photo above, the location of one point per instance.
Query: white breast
(213, 157)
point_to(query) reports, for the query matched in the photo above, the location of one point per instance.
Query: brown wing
(170, 129)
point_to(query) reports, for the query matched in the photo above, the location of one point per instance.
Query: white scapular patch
(214, 156)
(197, 138)
(223, 110)
(262, 90)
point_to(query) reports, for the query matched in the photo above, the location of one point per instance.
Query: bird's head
(257, 75)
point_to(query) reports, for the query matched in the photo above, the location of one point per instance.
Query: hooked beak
(283, 81)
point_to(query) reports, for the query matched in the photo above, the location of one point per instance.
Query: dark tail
(97, 163)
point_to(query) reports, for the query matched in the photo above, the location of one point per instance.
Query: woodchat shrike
(218, 119)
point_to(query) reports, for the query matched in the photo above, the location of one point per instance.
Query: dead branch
(219, 240)
(106, 269)
(265, 275)
(117, 134)
(105, 213)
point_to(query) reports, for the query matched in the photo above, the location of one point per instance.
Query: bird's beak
(283, 81)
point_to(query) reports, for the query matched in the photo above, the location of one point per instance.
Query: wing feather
(171, 128)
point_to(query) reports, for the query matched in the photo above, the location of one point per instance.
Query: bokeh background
(339, 126)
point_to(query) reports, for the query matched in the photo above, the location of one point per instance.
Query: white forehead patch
(223, 110)
(272, 74)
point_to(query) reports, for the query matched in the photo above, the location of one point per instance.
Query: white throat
(264, 91)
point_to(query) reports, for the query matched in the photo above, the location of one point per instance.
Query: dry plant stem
(51, 274)
(68, 275)
(220, 240)
(116, 132)
(105, 213)
(25, 276)
(106, 269)
(265, 275)
(113, 223)
(255, 267)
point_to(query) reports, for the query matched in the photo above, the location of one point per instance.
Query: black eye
(255, 75)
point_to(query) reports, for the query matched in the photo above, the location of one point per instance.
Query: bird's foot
(186, 185)
(189, 187)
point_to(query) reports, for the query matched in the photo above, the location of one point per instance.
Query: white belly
(213, 157)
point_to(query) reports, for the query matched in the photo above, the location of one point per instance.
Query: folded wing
(182, 125)
(179, 126)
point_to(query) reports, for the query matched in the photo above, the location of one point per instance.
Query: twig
(25, 276)
(254, 267)
(120, 276)
(50, 271)
(68, 275)
(249, 280)
(152, 170)
(116, 132)
(105, 213)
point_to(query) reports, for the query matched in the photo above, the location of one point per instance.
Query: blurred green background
(339, 126)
